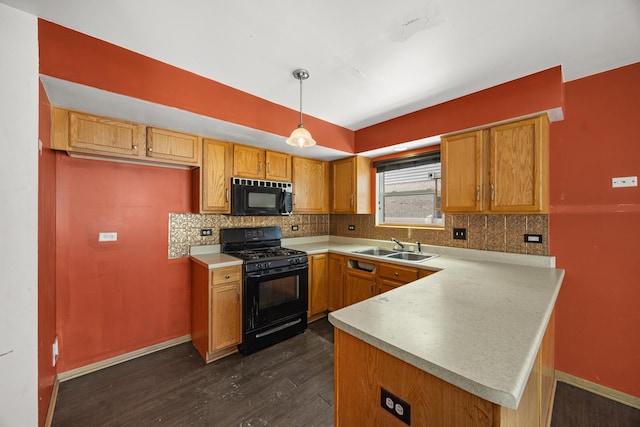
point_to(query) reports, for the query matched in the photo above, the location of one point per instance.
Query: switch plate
(460, 233)
(624, 181)
(294, 228)
(54, 351)
(110, 236)
(533, 238)
(395, 406)
(205, 232)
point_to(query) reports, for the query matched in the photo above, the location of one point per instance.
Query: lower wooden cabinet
(358, 285)
(336, 282)
(216, 310)
(318, 285)
(392, 276)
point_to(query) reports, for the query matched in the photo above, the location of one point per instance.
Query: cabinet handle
(226, 194)
(260, 166)
(268, 167)
(395, 273)
(150, 149)
(351, 199)
(293, 198)
(135, 147)
(228, 276)
(477, 193)
(492, 192)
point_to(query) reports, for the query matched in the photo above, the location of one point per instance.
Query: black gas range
(275, 285)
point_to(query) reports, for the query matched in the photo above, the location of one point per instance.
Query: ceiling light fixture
(300, 137)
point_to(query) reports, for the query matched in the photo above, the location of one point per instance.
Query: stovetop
(265, 253)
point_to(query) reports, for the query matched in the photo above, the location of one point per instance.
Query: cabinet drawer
(396, 272)
(221, 276)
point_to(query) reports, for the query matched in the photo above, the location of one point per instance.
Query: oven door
(274, 295)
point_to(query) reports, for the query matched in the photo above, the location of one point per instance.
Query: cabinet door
(387, 285)
(248, 162)
(318, 283)
(173, 147)
(226, 316)
(310, 186)
(462, 172)
(398, 273)
(336, 282)
(97, 135)
(215, 175)
(358, 286)
(344, 186)
(518, 170)
(278, 166)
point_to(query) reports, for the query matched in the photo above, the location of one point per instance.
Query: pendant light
(300, 137)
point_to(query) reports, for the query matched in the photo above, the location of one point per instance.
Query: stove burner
(265, 253)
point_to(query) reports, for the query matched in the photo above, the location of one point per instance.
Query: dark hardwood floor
(288, 384)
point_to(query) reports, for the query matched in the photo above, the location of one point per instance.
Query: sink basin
(375, 252)
(410, 256)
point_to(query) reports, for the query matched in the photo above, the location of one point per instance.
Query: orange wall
(528, 95)
(595, 229)
(76, 57)
(46, 259)
(116, 297)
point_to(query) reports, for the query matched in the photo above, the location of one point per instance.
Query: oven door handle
(258, 275)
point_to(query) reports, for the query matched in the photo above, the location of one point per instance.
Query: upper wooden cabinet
(351, 179)
(502, 169)
(211, 184)
(310, 186)
(84, 133)
(173, 147)
(102, 136)
(252, 162)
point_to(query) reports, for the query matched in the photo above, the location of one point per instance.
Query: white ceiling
(369, 60)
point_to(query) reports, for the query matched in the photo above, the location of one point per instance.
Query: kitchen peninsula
(470, 345)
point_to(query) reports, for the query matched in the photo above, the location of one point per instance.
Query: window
(408, 191)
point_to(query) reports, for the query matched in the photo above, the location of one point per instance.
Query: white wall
(18, 218)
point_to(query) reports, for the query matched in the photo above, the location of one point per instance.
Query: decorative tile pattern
(504, 233)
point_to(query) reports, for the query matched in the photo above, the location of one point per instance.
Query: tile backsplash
(502, 233)
(184, 228)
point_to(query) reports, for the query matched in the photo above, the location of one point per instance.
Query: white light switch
(108, 237)
(624, 181)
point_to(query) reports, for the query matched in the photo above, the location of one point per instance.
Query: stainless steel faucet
(419, 247)
(394, 240)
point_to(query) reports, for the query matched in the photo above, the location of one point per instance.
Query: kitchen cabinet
(212, 181)
(358, 284)
(336, 282)
(87, 134)
(310, 186)
(391, 276)
(351, 185)
(256, 163)
(216, 310)
(318, 285)
(173, 147)
(501, 169)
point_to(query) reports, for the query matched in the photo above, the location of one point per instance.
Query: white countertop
(477, 323)
(216, 260)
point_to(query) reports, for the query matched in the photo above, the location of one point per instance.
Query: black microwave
(260, 197)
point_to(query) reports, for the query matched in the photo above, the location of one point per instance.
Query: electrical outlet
(206, 232)
(624, 181)
(54, 351)
(294, 228)
(533, 238)
(352, 227)
(111, 236)
(395, 406)
(460, 233)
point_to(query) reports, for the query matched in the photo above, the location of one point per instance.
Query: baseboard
(52, 403)
(600, 390)
(87, 369)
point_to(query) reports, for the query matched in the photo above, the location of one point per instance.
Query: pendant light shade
(300, 137)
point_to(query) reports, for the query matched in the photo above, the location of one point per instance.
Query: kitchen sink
(375, 252)
(410, 256)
